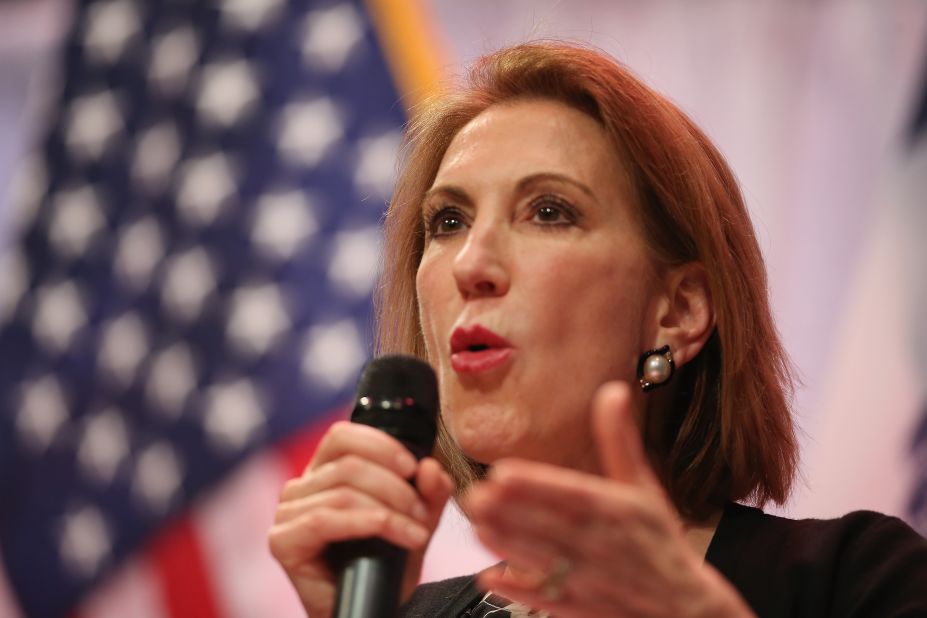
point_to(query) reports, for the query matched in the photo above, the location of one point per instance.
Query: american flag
(186, 298)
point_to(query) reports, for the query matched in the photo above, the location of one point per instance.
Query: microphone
(398, 395)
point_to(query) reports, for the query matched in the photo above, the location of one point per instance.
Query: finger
(599, 547)
(342, 498)
(573, 493)
(531, 532)
(304, 538)
(596, 520)
(516, 519)
(362, 475)
(521, 533)
(435, 487)
(617, 436)
(367, 442)
(518, 551)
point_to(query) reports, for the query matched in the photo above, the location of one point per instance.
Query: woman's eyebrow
(451, 191)
(527, 181)
(461, 195)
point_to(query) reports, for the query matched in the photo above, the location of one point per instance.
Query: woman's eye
(448, 224)
(553, 211)
(548, 214)
(445, 222)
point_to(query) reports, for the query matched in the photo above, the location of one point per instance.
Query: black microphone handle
(369, 583)
(369, 573)
(399, 396)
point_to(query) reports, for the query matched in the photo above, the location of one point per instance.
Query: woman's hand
(356, 486)
(583, 545)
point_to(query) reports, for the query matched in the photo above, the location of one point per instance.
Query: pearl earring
(655, 368)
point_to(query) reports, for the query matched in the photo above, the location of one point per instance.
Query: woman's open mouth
(475, 349)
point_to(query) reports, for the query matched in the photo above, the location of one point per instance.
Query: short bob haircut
(727, 433)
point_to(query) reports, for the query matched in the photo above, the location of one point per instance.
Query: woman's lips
(484, 360)
(475, 349)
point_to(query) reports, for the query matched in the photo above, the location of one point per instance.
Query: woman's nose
(480, 267)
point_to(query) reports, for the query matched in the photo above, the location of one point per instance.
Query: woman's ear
(687, 316)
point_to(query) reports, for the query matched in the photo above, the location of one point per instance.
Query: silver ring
(552, 586)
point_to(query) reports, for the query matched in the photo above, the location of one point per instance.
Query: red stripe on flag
(182, 572)
(297, 449)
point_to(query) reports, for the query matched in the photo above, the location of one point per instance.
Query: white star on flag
(140, 248)
(233, 415)
(156, 155)
(188, 282)
(307, 131)
(157, 479)
(355, 256)
(257, 318)
(94, 121)
(59, 314)
(173, 58)
(85, 541)
(110, 26)
(42, 413)
(333, 354)
(250, 15)
(228, 91)
(283, 223)
(123, 346)
(375, 172)
(76, 220)
(205, 185)
(104, 445)
(171, 379)
(331, 35)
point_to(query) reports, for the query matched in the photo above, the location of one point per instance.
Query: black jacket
(863, 564)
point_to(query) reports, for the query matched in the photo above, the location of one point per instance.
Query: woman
(574, 258)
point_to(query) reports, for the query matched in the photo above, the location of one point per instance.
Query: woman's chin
(485, 442)
(482, 448)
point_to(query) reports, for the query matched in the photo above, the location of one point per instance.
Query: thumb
(617, 437)
(435, 487)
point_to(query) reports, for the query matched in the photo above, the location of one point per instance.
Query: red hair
(728, 432)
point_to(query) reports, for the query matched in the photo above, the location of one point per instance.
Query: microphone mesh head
(399, 395)
(400, 377)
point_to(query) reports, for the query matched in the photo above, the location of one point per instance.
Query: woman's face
(535, 286)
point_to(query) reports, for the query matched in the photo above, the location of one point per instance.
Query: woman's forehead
(528, 137)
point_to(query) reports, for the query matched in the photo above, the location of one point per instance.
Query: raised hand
(356, 486)
(579, 544)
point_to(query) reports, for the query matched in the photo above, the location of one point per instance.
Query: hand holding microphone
(357, 487)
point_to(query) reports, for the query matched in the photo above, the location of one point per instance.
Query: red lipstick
(475, 349)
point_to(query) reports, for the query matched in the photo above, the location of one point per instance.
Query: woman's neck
(699, 534)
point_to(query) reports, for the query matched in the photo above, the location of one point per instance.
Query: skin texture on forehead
(560, 123)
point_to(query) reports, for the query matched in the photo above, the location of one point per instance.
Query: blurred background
(190, 195)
